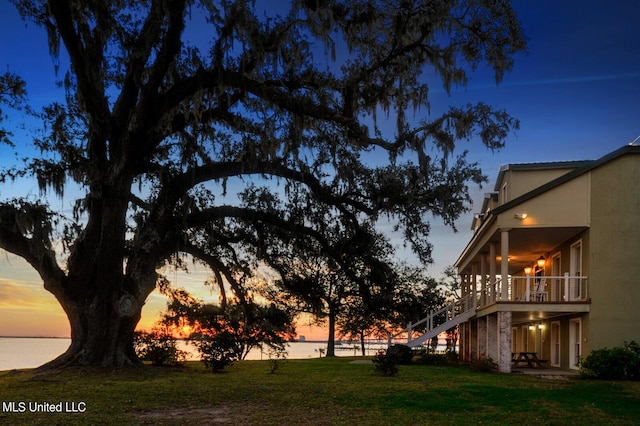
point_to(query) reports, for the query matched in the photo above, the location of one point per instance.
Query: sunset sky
(576, 93)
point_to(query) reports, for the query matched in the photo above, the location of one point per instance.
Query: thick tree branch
(140, 51)
(171, 45)
(218, 267)
(87, 59)
(238, 82)
(251, 216)
(192, 177)
(35, 250)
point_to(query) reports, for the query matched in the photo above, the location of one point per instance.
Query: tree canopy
(239, 131)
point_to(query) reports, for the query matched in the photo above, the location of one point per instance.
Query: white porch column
(483, 279)
(504, 263)
(462, 343)
(474, 285)
(467, 292)
(492, 272)
(473, 339)
(482, 338)
(504, 337)
(463, 289)
(492, 336)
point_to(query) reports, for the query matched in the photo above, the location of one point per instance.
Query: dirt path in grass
(200, 416)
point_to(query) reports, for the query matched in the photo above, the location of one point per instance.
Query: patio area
(548, 373)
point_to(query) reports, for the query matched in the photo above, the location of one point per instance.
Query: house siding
(520, 182)
(566, 205)
(613, 256)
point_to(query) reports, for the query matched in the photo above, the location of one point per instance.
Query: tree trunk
(101, 333)
(364, 351)
(103, 302)
(331, 341)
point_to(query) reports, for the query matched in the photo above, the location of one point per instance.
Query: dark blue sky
(576, 91)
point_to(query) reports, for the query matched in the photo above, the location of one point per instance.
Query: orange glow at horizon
(28, 310)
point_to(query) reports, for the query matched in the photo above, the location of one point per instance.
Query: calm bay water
(27, 352)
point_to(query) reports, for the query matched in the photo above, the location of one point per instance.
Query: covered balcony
(542, 289)
(515, 270)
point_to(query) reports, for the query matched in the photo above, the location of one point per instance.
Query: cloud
(555, 81)
(578, 79)
(19, 294)
(27, 309)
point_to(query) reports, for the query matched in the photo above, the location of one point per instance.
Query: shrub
(277, 357)
(217, 351)
(401, 353)
(452, 357)
(387, 361)
(619, 363)
(385, 364)
(158, 347)
(429, 358)
(484, 365)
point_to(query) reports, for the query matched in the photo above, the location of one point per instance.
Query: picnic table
(529, 358)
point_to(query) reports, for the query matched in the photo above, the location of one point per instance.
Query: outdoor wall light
(531, 328)
(521, 216)
(540, 262)
(527, 270)
(540, 326)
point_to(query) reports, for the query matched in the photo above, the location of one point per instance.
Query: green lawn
(314, 392)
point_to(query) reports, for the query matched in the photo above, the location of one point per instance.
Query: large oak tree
(234, 131)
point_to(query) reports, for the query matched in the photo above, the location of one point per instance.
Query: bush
(429, 358)
(158, 347)
(387, 361)
(619, 363)
(401, 353)
(277, 357)
(484, 365)
(217, 351)
(452, 357)
(385, 364)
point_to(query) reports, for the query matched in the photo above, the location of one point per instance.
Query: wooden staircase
(437, 322)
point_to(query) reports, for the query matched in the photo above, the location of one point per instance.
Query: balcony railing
(535, 289)
(435, 322)
(530, 289)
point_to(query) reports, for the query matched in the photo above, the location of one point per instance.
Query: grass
(316, 392)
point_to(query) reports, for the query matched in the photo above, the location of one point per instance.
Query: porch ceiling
(542, 315)
(528, 244)
(522, 313)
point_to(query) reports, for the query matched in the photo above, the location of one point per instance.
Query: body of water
(27, 352)
(31, 352)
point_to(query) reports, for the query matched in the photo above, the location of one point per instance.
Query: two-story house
(553, 266)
